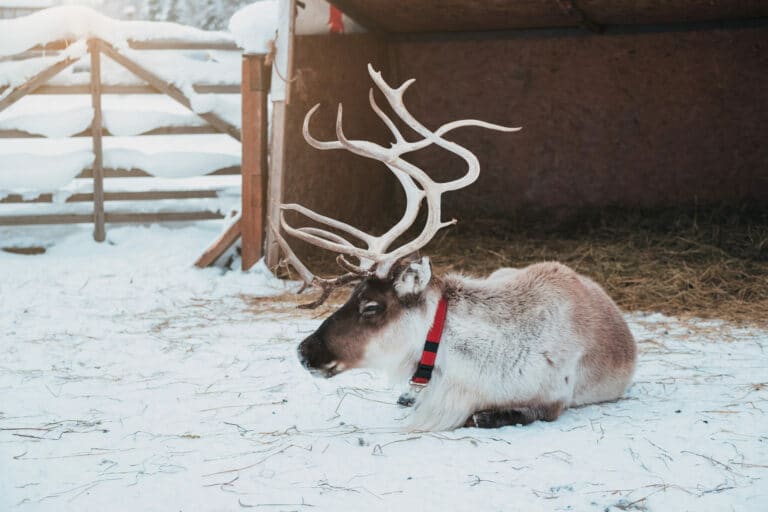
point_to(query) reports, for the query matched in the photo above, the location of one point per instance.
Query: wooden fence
(155, 84)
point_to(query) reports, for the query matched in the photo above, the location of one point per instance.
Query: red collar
(428, 356)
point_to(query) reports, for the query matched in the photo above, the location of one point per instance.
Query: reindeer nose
(313, 353)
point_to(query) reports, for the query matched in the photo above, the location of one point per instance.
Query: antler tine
(328, 285)
(385, 118)
(317, 144)
(319, 241)
(352, 269)
(306, 275)
(337, 224)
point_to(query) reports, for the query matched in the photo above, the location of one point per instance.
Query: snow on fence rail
(189, 128)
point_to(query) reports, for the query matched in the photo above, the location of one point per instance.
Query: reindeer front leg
(440, 406)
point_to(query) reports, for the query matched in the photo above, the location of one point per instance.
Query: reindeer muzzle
(314, 356)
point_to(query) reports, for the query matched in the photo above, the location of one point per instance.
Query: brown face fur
(340, 341)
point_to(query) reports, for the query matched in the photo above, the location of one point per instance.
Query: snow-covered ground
(131, 381)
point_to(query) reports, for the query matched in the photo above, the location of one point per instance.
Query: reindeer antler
(418, 186)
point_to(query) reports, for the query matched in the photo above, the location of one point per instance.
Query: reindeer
(515, 347)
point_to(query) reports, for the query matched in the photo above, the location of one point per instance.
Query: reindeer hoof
(406, 400)
(496, 419)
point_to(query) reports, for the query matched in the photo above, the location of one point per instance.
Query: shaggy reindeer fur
(518, 346)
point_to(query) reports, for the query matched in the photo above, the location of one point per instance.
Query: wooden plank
(134, 89)
(36, 81)
(139, 173)
(32, 250)
(157, 44)
(219, 245)
(255, 85)
(39, 51)
(163, 130)
(30, 220)
(179, 44)
(166, 88)
(99, 232)
(150, 218)
(182, 130)
(138, 218)
(149, 195)
(18, 198)
(116, 173)
(275, 181)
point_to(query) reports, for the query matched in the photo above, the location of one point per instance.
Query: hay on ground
(710, 263)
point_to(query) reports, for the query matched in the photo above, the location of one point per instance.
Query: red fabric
(436, 332)
(434, 335)
(336, 21)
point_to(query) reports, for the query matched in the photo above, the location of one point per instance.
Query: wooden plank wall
(637, 118)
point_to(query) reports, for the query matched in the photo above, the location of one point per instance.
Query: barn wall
(638, 119)
(329, 70)
(634, 119)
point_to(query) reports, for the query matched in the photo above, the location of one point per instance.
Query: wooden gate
(153, 84)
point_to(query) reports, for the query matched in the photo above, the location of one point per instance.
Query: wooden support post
(275, 190)
(255, 89)
(277, 140)
(220, 245)
(99, 233)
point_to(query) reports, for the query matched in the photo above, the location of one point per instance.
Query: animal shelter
(656, 108)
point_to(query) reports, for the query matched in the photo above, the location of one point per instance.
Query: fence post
(255, 89)
(99, 233)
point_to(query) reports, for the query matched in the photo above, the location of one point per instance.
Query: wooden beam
(180, 44)
(157, 44)
(255, 84)
(162, 130)
(18, 198)
(139, 173)
(84, 218)
(35, 249)
(133, 89)
(150, 218)
(36, 81)
(166, 88)
(150, 195)
(99, 231)
(30, 220)
(220, 245)
(275, 182)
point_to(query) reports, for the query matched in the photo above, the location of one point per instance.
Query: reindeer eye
(369, 309)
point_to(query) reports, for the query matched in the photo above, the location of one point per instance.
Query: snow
(16, 73)
(255, 25)
(131, 381)
(45, 165)
(313, 19)
(172, 156)
(63, 117)
(39, 4)
(78, 22)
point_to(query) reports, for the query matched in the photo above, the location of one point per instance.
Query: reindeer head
(373, 327)
(389, 305)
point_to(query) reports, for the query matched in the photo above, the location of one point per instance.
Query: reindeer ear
(413, 277)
